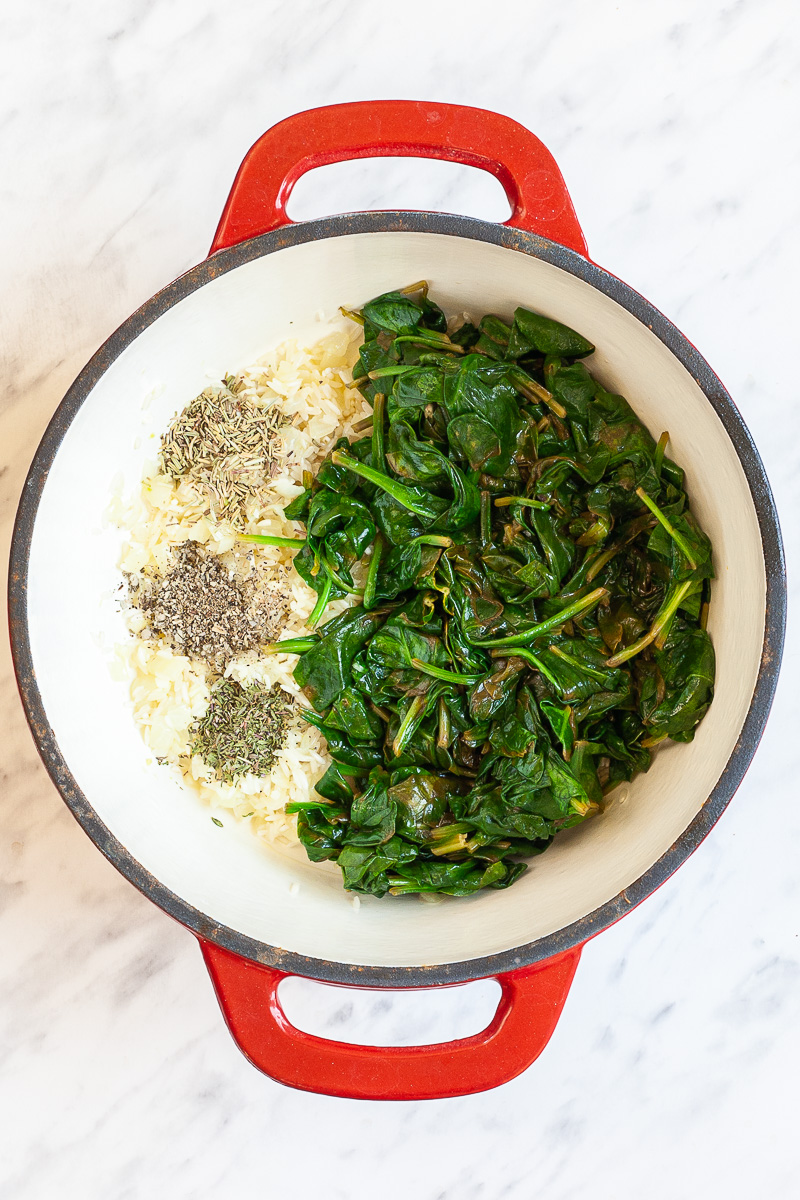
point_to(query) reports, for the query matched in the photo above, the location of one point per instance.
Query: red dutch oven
(261, 915)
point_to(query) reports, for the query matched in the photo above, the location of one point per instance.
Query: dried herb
(202, 612)
(242, 730)
(227, 443)
(533, 618)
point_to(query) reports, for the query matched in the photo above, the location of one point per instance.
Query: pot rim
(600, 918)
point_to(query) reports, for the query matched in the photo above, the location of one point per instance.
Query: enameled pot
(267, 279)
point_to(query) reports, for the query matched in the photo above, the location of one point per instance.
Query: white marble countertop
(672, 1073)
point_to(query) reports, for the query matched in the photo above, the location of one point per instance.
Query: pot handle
(530, 1005)
(475, 137)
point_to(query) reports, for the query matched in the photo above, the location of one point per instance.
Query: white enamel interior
(74, 623)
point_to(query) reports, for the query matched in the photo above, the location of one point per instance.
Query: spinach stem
(297, 645)
(443, 833)
(486, 521)
(663, 632)
(378, 413)
(443, 733)
(670, 528)
(634, 529)
(530, 657)
(322, 600)
(443, 674)
(658, 457)
(372, 572)
(576, 609)
(434, 539)
(534, 391)
(410, 497)
(431, 342)
(660, 624)
(408, 724)
(420, 286)
(389, 372)
(455, 842)
(351, 314)
(506, 501)
(433, 335)
(337, 579)
(266, 539)
(573, 662)
(601, 561)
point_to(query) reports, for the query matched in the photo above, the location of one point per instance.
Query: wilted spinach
(533, 618)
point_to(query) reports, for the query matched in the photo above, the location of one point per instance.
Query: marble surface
(673, 1071)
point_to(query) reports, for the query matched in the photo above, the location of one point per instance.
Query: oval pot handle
(530, 1005)
(475, 137)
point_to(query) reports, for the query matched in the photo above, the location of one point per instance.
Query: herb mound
(242, 730)
(226, 442)
(533, 617)
(202, 611)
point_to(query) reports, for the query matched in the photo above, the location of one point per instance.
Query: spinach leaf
(531, 331)
(323, 672)
(687, 668)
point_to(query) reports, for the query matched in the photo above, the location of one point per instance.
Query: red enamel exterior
(540, 202)
(532, 997)
(530, 1005)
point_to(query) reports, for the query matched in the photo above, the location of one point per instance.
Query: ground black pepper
(202, 612)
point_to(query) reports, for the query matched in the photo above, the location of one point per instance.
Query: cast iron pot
(267, 279)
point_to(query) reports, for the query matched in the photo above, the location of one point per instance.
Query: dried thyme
(227, 443)
(242, 730)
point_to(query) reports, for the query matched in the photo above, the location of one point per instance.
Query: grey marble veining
(672, 1073)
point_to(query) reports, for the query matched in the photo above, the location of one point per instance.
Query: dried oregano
(242, 730)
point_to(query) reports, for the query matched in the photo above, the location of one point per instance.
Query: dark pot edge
(775, 617)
